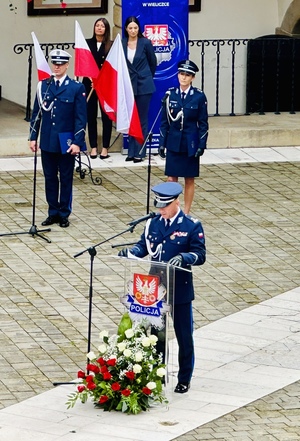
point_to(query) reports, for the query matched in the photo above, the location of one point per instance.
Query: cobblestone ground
(250, 213)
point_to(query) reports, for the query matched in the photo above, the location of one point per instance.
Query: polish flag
(114, 90)
(43, 67)
(85, 64)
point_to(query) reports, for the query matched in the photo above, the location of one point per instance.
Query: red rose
(126, 392)
(112, 362)
(107, 376)
(63, 5)
(91, 386)
(80, 388)
(80, 374)
(146, 390)
(130, 375)
(103, 369)
(103, 399)
(101, 361)
(90, 379)
(115, 387)
(93, 368)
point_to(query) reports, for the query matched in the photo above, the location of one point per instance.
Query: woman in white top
(141, 62)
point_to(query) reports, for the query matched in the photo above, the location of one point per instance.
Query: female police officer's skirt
(181, 165)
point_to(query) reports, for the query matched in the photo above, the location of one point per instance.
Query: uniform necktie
(167, 224)
(183, 95)
(57, 84)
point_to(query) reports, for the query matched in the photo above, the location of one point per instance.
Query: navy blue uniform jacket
(185, 236)
(68, 114)
(192, 135)
(142, 69)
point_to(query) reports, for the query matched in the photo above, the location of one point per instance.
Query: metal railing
(223, 72)
(227, 76)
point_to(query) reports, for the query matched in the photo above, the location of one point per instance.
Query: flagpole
(89, 95)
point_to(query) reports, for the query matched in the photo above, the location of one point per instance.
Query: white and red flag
(114, 90)
(85, 64)
(43, 68)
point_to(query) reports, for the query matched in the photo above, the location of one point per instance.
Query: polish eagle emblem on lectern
(145, 289)
(146, 299)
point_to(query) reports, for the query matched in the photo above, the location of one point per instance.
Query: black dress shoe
(129, 158)
(64, 222)
(135, 160)
(94, 156)
(182, 388)
(51, 220)
(104, 156)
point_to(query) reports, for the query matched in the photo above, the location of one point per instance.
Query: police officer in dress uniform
(59, 116)
(174, 237)
(184, 130)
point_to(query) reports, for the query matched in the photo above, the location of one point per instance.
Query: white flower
(153, 339)
(91, 355)
(121, 346)
(102, 348)
(151, 385)
(161, 372)
(146, 342)
(129, 333)
(137, 368)
(103, 334)
(127, 353)
(138, 356)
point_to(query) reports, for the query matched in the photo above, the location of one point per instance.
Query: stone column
(117, 17)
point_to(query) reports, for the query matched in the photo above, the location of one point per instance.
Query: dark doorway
(273, 74)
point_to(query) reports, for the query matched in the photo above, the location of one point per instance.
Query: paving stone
(250, 213)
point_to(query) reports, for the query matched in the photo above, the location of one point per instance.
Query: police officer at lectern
(59, 115)
(174, 237)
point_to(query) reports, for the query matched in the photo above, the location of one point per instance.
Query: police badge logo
(145, 299)
(162, 41)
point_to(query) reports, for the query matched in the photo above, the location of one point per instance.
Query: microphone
(50, 79)
(168, 93)
(142, 219)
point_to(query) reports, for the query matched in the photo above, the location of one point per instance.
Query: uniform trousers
(142, 104)
(183, 325)
(92, 113)
(58, 172)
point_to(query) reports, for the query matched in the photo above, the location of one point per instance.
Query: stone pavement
(249, 208)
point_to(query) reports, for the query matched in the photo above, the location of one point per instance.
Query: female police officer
(184, 130)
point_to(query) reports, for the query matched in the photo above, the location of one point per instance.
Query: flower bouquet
(127, 373)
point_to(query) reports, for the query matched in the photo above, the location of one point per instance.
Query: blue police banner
(165, 24)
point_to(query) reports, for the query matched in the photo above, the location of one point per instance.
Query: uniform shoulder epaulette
(192, 219)
(172, 88)
(198, 90)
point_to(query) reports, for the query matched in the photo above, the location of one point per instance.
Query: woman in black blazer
(141, 62)
(99, 45)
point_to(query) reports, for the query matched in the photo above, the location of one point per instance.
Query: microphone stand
(149, 137)
(33, 231)
(93, 252)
